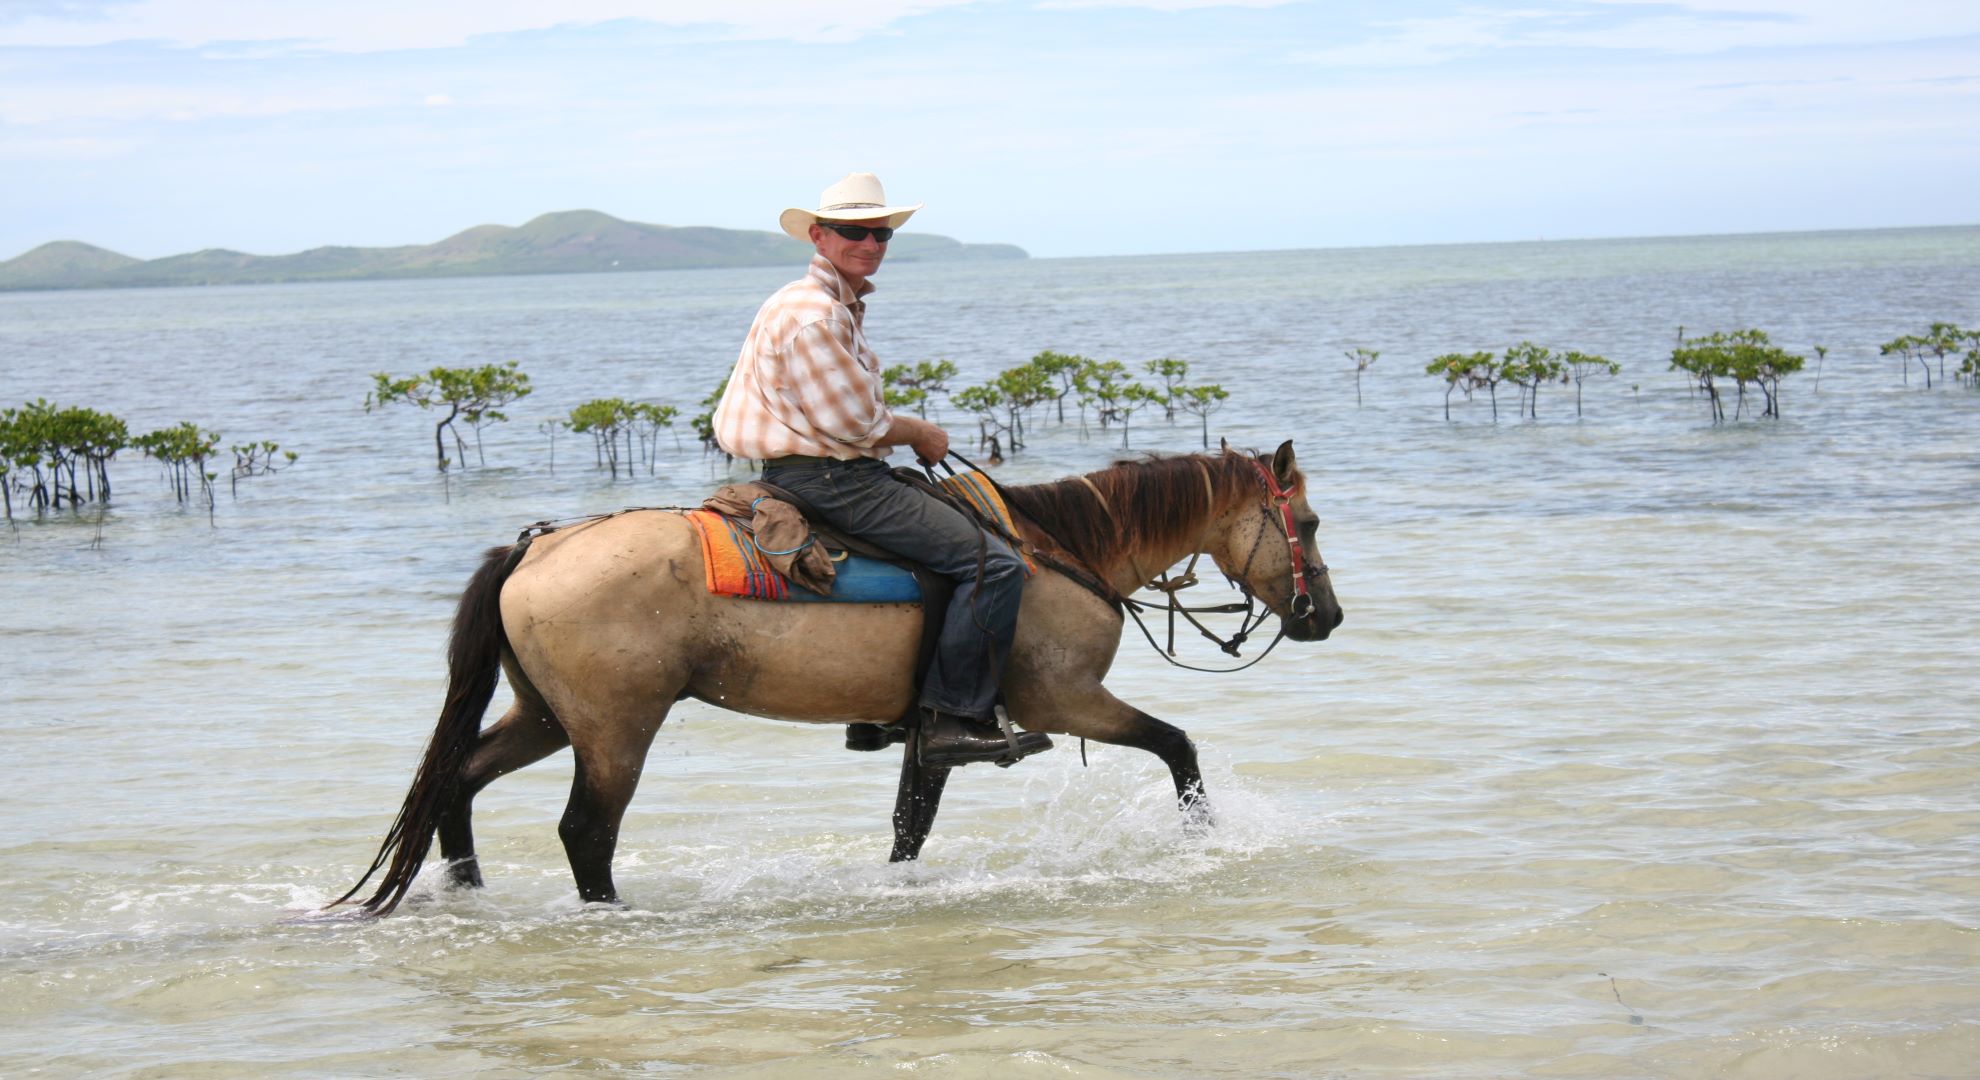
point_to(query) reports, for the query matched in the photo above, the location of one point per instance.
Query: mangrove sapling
(183, 450)
(1467, 372)
(1529, 366)
(1907, 349)
(1131, 397)
(648, 419)
(12, 456)
(63, 441)
(1582, 366)
(1173, 373)
(1201, 401)
(1943, 338)
(608, 421)
(550, 428)
(18, 453)
(256, 459)
(916, 385)
(985, 403)
(1752, 358)
(1059, 369)
(1706, 361)
(1745, 356)
(475, 396)
(1769, 364)
(1098, 383)
(1363, 359)
(1821, 354)
(1969, 365)
(1021, 388)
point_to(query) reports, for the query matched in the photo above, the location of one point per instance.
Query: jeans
(861, 497)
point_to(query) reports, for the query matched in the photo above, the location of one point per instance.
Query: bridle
(1301, 604)
(1305, 574)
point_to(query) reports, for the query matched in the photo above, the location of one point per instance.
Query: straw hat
(858, 197)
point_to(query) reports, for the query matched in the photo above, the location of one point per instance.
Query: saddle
(758, 540)
(756, 548)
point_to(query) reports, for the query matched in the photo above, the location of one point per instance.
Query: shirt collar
(835, 283)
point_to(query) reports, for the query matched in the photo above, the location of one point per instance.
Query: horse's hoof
(1197, 819)
(464, 873)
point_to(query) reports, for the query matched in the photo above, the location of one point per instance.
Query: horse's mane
(1151, 501)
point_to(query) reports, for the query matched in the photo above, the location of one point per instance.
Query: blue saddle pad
(862, 580)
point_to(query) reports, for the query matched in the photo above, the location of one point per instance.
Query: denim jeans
(861, 497)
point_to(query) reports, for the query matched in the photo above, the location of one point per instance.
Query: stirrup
(1003, 716)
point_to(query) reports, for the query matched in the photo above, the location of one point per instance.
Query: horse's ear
(1223, 444)
(1282, 463)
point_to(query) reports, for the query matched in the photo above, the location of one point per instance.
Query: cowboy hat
(858, 197)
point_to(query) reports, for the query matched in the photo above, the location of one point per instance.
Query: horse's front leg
(1102, 717)
(1172, 745)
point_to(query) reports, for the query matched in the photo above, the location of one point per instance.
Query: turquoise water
(1647, 748)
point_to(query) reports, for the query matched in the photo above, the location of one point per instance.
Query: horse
(602, 626)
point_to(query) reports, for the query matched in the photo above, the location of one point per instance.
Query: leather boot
(947, 739)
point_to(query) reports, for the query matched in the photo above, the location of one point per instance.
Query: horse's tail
(474, 662)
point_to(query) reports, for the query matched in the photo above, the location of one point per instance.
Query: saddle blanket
(736, 568)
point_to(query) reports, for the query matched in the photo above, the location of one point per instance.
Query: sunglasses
(856, 233)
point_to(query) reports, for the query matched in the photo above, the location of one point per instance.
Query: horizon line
(1117, 255)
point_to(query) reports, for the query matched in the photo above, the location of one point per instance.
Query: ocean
(1647, 747)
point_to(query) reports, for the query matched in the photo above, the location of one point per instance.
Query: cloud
(1159, 5)
(382, 25)
(1689, 28)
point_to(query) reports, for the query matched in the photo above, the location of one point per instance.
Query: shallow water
(1647, 748)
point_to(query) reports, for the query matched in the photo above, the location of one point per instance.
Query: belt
(808, 461)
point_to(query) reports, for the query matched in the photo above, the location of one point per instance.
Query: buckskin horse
(602, 626)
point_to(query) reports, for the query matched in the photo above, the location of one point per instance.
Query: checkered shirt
(806, 382)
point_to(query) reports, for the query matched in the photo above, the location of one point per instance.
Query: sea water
(1647, 747)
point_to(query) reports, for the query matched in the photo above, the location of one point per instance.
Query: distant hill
(567, 242)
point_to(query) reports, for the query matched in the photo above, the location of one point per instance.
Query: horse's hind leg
(526, 734)
(608, 771)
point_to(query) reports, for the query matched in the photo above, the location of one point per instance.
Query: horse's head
(1270, 548)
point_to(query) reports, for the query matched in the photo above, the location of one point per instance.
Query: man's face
(853, 258)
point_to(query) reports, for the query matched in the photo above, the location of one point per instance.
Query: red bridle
(1301, 605)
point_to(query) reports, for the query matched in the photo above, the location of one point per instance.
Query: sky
(1070, 127)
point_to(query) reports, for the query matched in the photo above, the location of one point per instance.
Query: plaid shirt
(806, 382)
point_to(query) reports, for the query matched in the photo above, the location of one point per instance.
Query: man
(806, 400)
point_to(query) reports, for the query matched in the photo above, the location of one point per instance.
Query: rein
(1303, 574)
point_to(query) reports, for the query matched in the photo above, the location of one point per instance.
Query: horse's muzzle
(1318, 624)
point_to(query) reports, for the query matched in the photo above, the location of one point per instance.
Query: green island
(565, 242)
